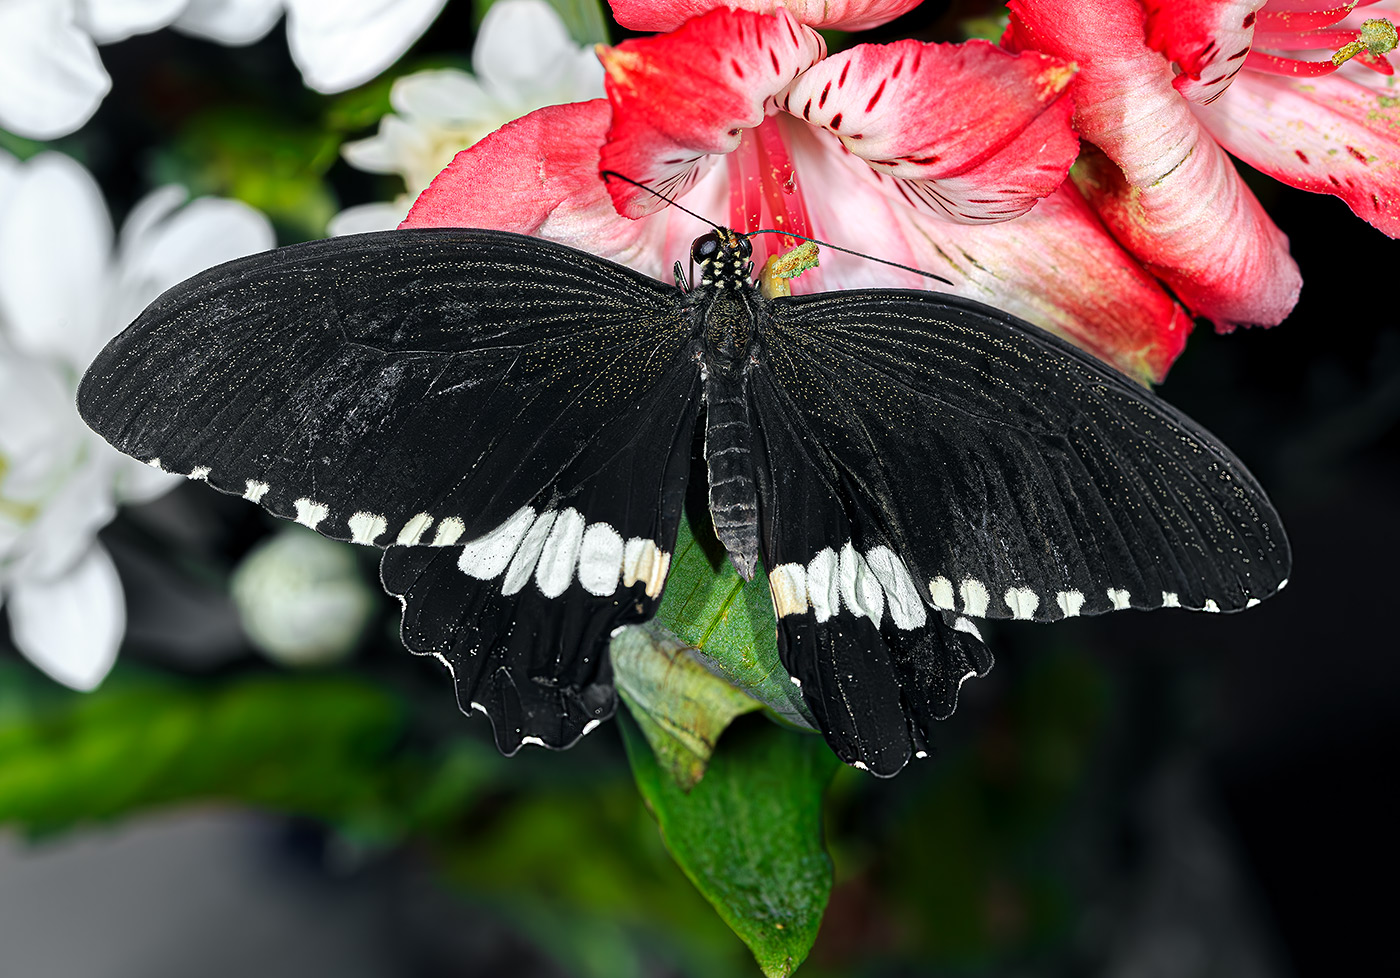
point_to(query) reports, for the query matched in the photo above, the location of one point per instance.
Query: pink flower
(917, 153)
(1162, 87)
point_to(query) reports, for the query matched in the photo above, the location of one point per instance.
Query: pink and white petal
(231, 22)
(1056, 267)
(840, 15)
(1207, 39)
(55, 251)
(685, 96)
(339, 44)
(969, 131)
(71, 626)
(1170, 195)
(1202, 232)
(109, 21)
(51, 78)
(1329, 136)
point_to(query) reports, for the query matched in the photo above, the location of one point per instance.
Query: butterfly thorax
(729, 312)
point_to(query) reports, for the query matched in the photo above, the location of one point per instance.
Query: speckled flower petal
(840, 15)
(684, 97)
(1330, 136)
(969, 132)
(1207, 39)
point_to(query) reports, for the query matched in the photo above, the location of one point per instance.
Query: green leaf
(680, 706)
(730, 623)
(749, 836)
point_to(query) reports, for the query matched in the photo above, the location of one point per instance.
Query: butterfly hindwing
(475, 401)
(1017, 476)
(523, 615)
(877, 664)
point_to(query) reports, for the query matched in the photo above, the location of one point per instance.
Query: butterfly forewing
(1016, 476)
(458, 389)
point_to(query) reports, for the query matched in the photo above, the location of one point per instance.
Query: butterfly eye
(745, 248)
(705, 248)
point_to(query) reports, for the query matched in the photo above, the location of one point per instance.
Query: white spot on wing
(1119, 597)
(860, 591)
(975, 597)
(559, 556)
(365, 528)
(859, 766)
(155, 464)
(589, 727)
(906, 608)
(254, 491)
(200, 473)
(823, 588)
(1070, 602)
(941, 590)
(643, 561)
(1251, 602)
(1210, 605)
(788, 585)
(796, 682)
(1022, 601)
(522, 565)
(449, 531)
(478, 707)
(964, 625)
(921, 754)
(1281, 584)
(600, 559)
(310, 513)
(414, 529)
(534, 741)
(488, 555)
(1170, 599)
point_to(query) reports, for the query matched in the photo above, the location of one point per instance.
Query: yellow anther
(1378, 36)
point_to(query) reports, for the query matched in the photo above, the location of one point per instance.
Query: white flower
(523, 59)
(302, 599)
(66, 288)
(52, 80)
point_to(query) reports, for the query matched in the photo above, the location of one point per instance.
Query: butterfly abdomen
(733, 497)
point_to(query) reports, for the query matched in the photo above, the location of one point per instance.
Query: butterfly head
(724, 257)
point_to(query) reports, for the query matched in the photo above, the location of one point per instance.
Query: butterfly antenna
(606, 174)
(851, 251)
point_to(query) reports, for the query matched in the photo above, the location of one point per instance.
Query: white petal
(229, 21)
(109, 21)
(71, 626)
(55, 249)
(439, 94)
(521, 41)
(339, 44)
(51, 79)
(158, 254)
(369, 217)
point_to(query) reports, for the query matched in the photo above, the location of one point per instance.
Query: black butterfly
(513, 421)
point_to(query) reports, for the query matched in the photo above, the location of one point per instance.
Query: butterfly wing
(501, 412)
(981, 467)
